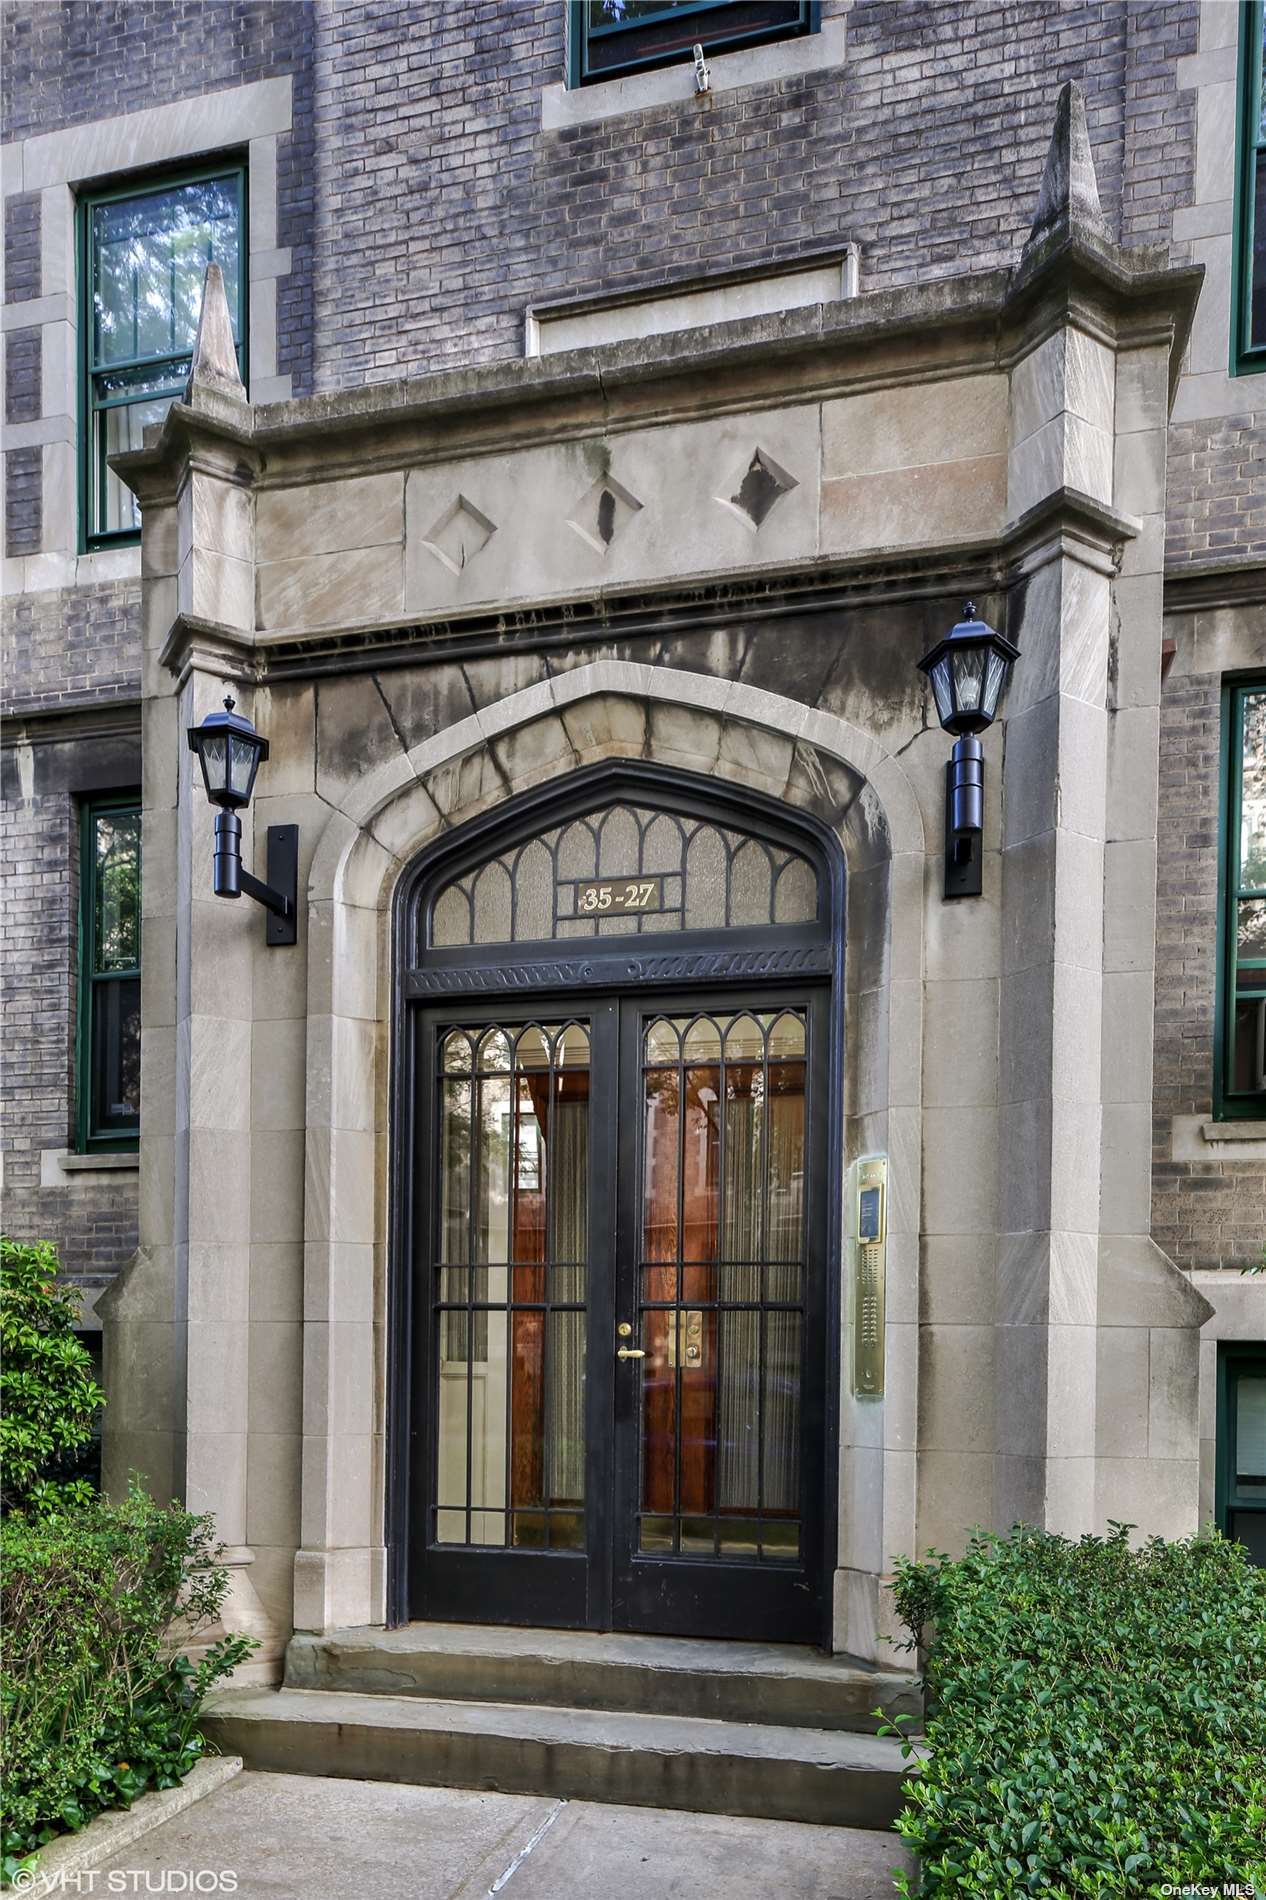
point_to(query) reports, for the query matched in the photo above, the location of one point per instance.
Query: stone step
(831, 1778)
(640, 1675)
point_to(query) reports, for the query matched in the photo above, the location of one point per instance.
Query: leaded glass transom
(657, 871)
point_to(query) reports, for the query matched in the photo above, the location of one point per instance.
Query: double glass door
(619, 1316)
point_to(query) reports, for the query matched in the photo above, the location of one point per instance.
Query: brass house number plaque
(605, 897)
(868, 1279)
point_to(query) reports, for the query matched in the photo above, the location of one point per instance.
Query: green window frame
(1248, 269)
(142, 249)
(607, 39)
(1240, 1452)
(1239, 1091)
(108, 1054)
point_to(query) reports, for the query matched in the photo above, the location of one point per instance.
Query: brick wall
(1206, 1213)
(23, 514)
(444, 209)
(61, 648)
(22, 246)
(1216, 497)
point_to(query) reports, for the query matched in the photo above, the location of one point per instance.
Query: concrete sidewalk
(291, 1837)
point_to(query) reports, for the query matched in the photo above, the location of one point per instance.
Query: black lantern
(969, 670)
(229, 751)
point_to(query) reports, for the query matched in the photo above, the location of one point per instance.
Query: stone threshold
(105, 1837)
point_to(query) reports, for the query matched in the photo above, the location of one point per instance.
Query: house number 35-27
(618, 894)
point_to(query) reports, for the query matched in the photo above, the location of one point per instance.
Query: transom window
(109, 1092)
(626, 871)
(609, 37)
(1248, 343)
(1242, 1066)
(143, 257)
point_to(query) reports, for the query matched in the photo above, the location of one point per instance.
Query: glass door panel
(510, 1285)
(721, 1274)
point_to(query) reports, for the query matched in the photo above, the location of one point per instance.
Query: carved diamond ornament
(602, 511)
(760, 488)
(459, 534)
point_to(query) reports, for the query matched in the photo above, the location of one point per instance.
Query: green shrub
(48, 1395)
(97, 1704)
(1096, 1716)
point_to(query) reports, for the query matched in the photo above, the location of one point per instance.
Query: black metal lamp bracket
(964, 816)
(280, 895)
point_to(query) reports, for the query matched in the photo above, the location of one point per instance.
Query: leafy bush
(1096, 1716)
(97, 1704)
(48, 1395)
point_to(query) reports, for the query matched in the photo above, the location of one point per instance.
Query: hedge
(1096, 1716)
(48, 1396)
(98, 1704)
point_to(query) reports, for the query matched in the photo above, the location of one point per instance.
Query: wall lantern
(968, 670)
(229, 750)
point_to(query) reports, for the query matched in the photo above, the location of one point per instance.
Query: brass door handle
(629, 1352)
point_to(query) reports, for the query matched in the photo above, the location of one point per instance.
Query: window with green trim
(1248, 340)
(1241, 1446)
(143, 253)
(608, 38)
(1242, 1066)
(109, 1067)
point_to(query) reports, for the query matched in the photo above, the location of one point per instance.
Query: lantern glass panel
(942, 688)
(995, 679)
(213, 751)
(243, 759)
(969, 678)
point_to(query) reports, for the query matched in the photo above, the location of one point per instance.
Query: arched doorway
(615, 1277)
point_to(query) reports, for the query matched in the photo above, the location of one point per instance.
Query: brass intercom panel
(685, 1338)
(870, 1248)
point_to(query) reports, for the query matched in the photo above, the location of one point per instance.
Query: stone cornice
(922, 332)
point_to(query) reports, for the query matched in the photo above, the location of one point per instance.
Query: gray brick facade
(424, 207)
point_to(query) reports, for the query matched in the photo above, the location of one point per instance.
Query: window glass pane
(1253, 793)
(1249, 1529)
(627, 12)
(150, 254)
(1248, 1046)
(627, 871)
(1250, 1435)
(1257, 306)
(116, 1055)
(619, 34)
(113, 431)
(1250, 928)
(117, 924)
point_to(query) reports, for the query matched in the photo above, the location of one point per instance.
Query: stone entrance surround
(722, 551)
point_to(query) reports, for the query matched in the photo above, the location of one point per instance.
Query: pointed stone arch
(603, 711)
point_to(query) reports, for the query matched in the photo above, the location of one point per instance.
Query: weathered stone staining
(764, 483)
(602, 512)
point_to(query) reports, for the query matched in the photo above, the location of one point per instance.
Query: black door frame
(574, 976)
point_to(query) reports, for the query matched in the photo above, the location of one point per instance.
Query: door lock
(624, 1331)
